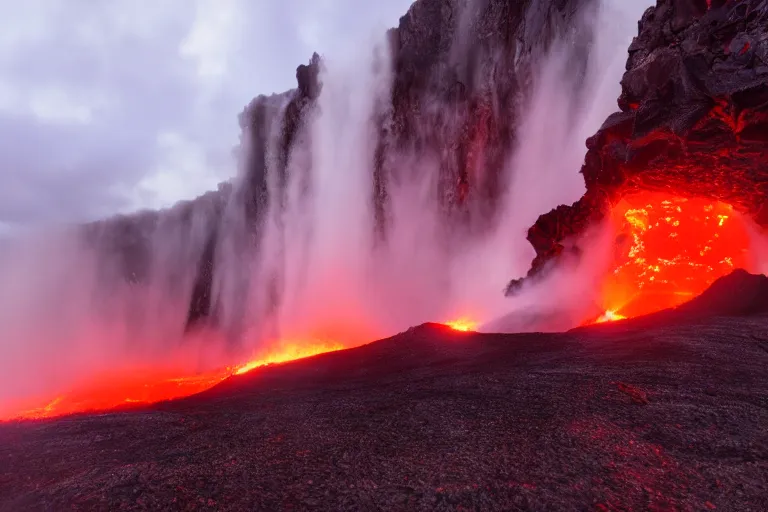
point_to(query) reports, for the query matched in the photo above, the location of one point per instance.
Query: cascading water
(321, 255)
(324, 235)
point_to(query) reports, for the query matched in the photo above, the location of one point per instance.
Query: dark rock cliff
(693, 119)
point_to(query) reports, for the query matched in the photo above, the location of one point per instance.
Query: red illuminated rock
(693, 118)
(737, 294)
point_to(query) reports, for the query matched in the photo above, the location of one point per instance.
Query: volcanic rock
(661, 416)
(737, 294)
(460, 71)
(693, 119)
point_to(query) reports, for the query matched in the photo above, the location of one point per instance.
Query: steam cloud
(316, 271)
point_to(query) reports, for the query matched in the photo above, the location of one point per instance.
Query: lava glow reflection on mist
(462, 324)
(133, 387)
(116, 390)
(609, 316)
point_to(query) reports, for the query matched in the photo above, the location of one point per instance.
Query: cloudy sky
(111, 106)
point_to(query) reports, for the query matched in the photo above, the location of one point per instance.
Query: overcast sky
(111, 106)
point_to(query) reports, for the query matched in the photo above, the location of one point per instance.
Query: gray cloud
(113, 106)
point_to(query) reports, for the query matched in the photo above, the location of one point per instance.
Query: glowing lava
(462, 324)
(289, 352)
(609, 316)
(669, 249)
(120, 389)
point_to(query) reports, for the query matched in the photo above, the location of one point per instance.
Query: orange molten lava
(290, 351)
(609, 316)
(143, 386)
(669, 249)
(462, 324)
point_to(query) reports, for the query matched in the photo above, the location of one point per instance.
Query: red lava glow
(145, 386)
(669, 249)
(290, 351)
(120, 389)
(462, 324)
(609, 316)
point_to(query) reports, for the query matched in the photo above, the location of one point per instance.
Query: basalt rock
(693, 119)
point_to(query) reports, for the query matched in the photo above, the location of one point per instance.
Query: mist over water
(315, 270)
(563, 111)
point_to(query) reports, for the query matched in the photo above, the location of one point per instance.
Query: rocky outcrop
(693, 119)
(266, 118)
(191, 231)
(126, 241)
(459, 70)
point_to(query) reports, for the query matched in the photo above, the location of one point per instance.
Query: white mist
(66, 311)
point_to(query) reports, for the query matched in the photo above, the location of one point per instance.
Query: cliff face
(459, 70)
(693, 119)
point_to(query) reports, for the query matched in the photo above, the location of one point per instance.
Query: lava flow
(121, 389)
(462, 324)
(609, 316)
(145, 386)
(669, 249)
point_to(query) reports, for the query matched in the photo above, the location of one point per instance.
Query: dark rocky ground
(663, 414)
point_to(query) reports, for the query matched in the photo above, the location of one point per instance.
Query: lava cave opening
(669, 249)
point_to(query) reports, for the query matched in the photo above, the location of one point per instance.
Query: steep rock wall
(459, 72)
